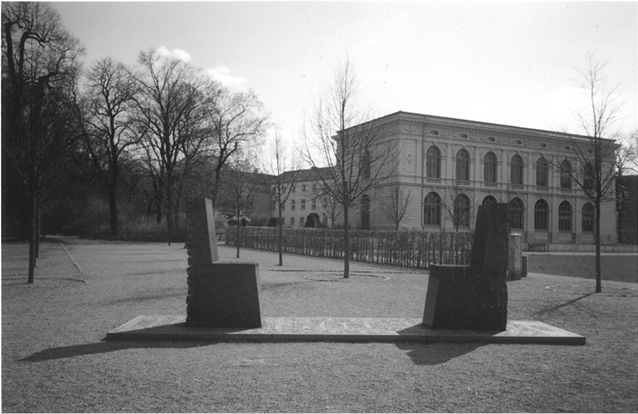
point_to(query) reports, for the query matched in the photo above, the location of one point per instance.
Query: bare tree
(237, 121)
(396, 205)
(239, 182)
(458, 207)
(106, 115)
(172, 106)
(350, 145)
(39, 70)
(595, 154)
(283, 173)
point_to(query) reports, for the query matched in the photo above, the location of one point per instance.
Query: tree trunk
(346, 248)
(34, 237)
(113, 210)
(281, 259)
(597, 241)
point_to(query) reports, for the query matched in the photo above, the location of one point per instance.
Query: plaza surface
(54, 357)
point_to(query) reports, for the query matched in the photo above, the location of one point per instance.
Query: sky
(513, 63)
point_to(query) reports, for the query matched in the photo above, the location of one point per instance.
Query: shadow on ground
(103, 347)
(435, 354)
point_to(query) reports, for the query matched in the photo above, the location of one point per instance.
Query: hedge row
(397, 248)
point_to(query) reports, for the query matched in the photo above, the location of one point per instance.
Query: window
(463, 165)
(292, 221)
(303, 203)
(274, 205)
(588, 218)
(590, 175)
(489, 167)
(516, 213)
(565, 216)
(432, 209)
(542, 172)
(462, 211)
(433, 162)
(301, 221)
(283, 207)
(489, 200)
(314, 204)
(303, 187)
(314, 188)
(541, 215)
(365, 165)
(293, 188)
(565, 175)
(292, 205)
(516, 170)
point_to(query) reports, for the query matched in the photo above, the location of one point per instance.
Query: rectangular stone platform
(161, 327)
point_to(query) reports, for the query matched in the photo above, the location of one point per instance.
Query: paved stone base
(159, 327)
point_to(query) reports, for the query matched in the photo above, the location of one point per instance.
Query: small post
(515, 257)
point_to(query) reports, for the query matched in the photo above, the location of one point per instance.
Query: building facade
(445, 168)
(449, 167)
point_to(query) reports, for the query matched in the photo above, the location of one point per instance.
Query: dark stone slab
(225, 295)
(202, 240)
(220, 295)
(474, 296)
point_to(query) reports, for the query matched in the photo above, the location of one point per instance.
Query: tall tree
(395, 204)
(39, 69)
(595, 154)
(239, 184)
(171, 102)
(106, 114)
(283, 173)
(236, 122)
(350, 146)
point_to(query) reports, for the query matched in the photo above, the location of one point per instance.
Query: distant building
(451, 166)
(307, 198)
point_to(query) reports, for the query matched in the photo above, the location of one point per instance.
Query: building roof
(474, 125)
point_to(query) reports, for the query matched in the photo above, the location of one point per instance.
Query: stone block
(475, 296)
(459, 299)
(202, 239)
(224, 295)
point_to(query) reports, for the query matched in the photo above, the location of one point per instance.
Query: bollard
(515, 257)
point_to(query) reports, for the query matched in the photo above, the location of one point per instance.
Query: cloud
(223, 75)
(180, 54)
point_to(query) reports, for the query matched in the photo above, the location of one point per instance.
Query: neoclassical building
(451, 166)
(445, 168)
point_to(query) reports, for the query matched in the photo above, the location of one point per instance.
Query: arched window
(461, 211)
(565, 216)
(541, 215)
(516, 210)
(433, 161)
(588, 218)
(489, 200)
(365, 212)
(463, 165)
(516, 170)
(590, 175)
(432, 209)
(365, 165)
(489, 167)
(566, 175)
(542, 172)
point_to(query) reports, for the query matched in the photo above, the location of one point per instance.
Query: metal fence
(417, 249)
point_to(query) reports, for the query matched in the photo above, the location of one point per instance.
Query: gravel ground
(54, 358)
